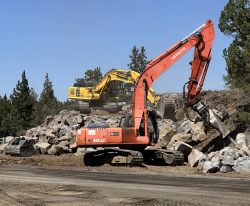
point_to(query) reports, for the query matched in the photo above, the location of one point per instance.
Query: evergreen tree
(235, 22)
(48, 103)
(5, 109)
(91, 75)
(22, 106)
(138, 60)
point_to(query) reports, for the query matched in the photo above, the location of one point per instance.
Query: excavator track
(112, 107)
(163, 157)
(84, 107)
(113, 156)
(166, 108)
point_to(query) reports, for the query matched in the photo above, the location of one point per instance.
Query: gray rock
(87, 118)
(184, 148)
(185, 127)
(43, 147)
(8, 139)
(240, 140)
(228, 151)
(55, 150)
(112, 121)
(32, 140)
(242, 164)
(194, 157)
(211, 166)
(198, 132)
(63, 130)
(64, 145)
(2, 146)
(228, 159)
(217, 157)
(82, 150)
(226, 169)
(166, 132)
(73, 147)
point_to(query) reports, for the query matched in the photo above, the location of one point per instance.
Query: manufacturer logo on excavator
(96, 140)
(178, 53)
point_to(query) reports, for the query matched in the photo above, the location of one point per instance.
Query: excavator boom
(202, 39)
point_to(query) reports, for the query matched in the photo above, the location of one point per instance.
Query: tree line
(24, 110)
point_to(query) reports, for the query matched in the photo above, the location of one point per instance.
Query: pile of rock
(189, 134)
(57, 134)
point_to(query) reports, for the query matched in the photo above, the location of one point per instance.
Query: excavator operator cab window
(152, 128)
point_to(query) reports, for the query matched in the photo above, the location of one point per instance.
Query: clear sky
(67, 37)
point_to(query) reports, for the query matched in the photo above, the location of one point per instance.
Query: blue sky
(67, 37)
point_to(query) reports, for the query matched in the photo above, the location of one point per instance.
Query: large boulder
(64, 145)
(180, 137)
(226, 169)
(43, 147)
(185, 127)
(228, 159)
(198, 132)
(242, 164)
(184, 148)
(240, 140)
(55, 150)
(211, 166)
(195, 156)
(7, 140)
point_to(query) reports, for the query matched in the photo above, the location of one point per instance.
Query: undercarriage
(124, 157)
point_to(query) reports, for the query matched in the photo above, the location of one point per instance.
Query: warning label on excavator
(114, 133)
(91, 132)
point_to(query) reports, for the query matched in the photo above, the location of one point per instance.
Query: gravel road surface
(35, 186)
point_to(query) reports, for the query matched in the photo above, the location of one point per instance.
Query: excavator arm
(202, 40)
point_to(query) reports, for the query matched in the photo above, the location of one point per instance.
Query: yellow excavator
(104, 93)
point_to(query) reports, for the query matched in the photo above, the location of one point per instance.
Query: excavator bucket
(19, 147)
(166, 108)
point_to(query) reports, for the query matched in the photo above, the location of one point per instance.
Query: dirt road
(37, 186)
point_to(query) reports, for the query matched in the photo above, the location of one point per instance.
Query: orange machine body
(94, 137)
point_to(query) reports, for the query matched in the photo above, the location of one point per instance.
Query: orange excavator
(126, 144)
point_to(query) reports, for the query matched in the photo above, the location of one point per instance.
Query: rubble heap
(57, 134)
(203, 147)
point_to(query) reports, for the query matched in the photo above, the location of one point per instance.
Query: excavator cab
(153, 131)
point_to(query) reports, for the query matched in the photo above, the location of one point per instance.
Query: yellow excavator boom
(101, 91)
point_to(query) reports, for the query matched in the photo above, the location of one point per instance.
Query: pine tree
(5, 109)
(48, 103)
(22, 106)
(138, 60)
(90, 75)
(235, 22)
